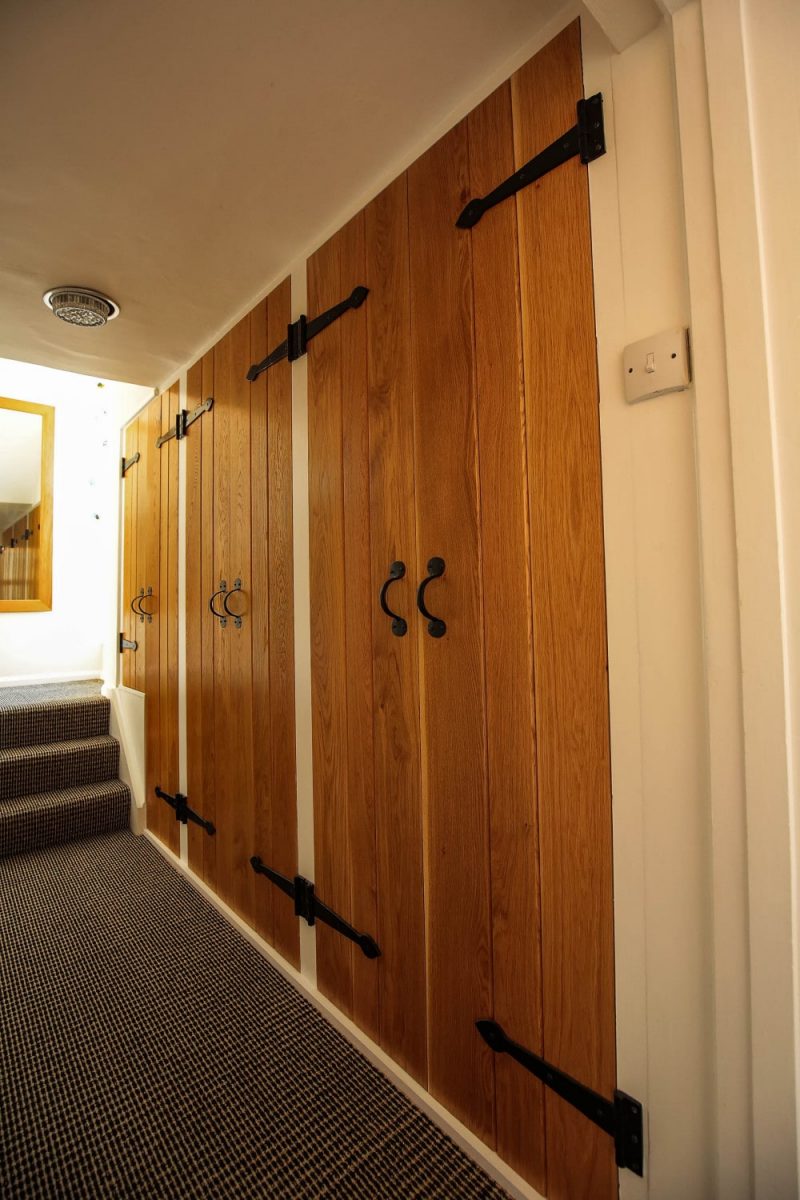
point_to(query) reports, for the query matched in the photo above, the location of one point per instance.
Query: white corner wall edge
(486, 1159)
(127, 726)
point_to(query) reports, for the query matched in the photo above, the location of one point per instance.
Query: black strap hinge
(585, 139)
(182, 811)
(622, 1117)
(301, 331)
(309, 906)
(127, 463)
(183, 421)
(124, 644)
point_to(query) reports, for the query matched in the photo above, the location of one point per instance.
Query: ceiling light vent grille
(80, 306)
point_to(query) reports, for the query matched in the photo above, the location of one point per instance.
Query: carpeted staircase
(58, 766)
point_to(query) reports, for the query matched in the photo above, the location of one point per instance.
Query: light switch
(657, 365)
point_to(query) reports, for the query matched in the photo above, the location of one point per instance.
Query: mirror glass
(26, 449)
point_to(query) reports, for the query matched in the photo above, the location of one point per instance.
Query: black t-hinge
(621, 1117)
(182, 811)
(127, 463)
(586, 139)
(301, 331)
(309, 906)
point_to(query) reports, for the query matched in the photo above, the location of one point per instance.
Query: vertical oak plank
(505, 551)
(454, 734)
(400, 878)
(150, 464)
(129, 588)
(281, 621)
(233, 712)
(328, 638)
(240, 739)
(569, 618)
(140, 535)
(196, 729)
(359, 607)
(264, 895)
(172, 448)
(221, 641)
(205, 428)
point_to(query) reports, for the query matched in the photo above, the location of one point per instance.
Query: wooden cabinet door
(240, 677)
(489, 794)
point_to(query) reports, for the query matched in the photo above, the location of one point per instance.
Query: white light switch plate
(657, 365)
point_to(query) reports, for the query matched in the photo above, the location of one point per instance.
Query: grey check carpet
(148, 1050)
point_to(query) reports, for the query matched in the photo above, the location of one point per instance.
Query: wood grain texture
(283, 785)
(505, 552)
(140, 534)
(130, 491)
(164, 602)
(453, 717)
(265, 899)
(358, 624)
(150, 515)
(400, 877)
(205, 429)
(199, 646)
(233, 715)
(332, 857)
(569, 619)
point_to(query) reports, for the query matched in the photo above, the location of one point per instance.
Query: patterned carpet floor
(27, 694)
(148, 1050)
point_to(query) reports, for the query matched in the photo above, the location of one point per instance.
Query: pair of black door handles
(226, 594)
(436, 626)
(136, 604)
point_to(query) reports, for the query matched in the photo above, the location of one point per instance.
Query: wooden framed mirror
(26, 506)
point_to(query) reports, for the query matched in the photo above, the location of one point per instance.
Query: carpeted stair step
(27, 770)
(43, 723)
(47, 818)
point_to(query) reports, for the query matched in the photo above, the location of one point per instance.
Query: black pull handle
(399, 626)
(237, 587)
(436, 627)
(143, 611)
(137, 611)
(223, 587)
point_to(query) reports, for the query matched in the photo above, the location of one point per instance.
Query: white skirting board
(486, 1159)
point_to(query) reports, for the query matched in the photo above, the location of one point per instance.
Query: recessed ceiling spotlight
(80, 305)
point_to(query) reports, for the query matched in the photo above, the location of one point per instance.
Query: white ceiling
(178, 154)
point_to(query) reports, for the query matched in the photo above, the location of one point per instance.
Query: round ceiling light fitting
(80, 305)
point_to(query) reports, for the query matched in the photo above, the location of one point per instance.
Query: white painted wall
(71, 640)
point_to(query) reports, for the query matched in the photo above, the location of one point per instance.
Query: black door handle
(399, 626)
(237, 587)
(436, 627)
(143, 611)
(134, 609)
(223, 587)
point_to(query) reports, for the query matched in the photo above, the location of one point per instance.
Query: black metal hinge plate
(309, 906)
(301, 331)
(183, 421)
(183, 813)
(586, 140)
(127, 463)
(124, 644)
(622, 1117)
